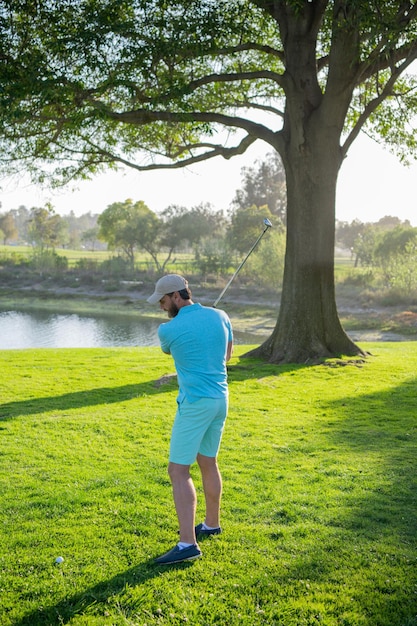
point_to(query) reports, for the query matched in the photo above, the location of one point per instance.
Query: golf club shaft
(216, 302)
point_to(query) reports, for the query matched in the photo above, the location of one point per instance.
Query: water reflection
(42, 329)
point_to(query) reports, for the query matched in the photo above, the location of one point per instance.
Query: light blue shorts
(197, 429)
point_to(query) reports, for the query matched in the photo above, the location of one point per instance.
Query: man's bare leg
(212, 485)
(185, 500)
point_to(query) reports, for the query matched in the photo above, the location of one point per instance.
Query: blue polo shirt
(197, 339)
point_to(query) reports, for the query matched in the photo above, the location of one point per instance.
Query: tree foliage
(190, 226)
(263, 185)
(265, 268)
(7, 226)
(46, 228)
(129, 225)
(245, 226)
(91, 83)
(395, 241)
(371, 242)
(400, 271)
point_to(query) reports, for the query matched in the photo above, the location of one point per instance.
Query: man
(200, 341)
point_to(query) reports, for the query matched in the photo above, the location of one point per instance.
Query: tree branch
(384, 62)
(373, 104)
(250, 46)
(222, 78)
(217, 150)
(379, 58)
(260, 107)
(143, 98)
(141, 117)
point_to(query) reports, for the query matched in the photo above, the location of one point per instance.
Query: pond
(43, 329)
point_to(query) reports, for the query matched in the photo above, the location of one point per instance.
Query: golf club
(267, 224)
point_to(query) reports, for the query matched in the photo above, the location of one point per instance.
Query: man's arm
(229, 350)
(163, 340)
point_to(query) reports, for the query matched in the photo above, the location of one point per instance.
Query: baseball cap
(167, 284)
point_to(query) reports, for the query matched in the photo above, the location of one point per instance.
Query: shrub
(359, 278)
(48, 261)
(400, 270)
(265, 267)
(117, 267)
(213, 257)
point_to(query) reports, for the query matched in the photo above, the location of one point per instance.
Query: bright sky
(372, 184)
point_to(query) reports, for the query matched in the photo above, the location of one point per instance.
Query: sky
(372, 184)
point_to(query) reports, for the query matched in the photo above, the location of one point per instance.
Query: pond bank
(362, 323)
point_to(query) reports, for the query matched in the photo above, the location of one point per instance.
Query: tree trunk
(308, 326)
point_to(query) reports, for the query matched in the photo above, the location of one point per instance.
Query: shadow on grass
(79, 399)
(373, 530)
(381, 430)
(110, 395)
(366, 530)
(100, 594)
(249, 367)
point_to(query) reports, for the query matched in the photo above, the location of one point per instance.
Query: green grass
(75, 255)
(319, 507)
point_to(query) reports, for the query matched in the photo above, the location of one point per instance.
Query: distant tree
(91, 237)
(399, 270)
(174, 222)
(265, 268)
(46, 228)
(77, 225)
(191, 225)
(362, 239)
(8, 227)
(128, 226)
(246, 225)
(347, 233)
(389, 222)
(22, 219)
(394, 242)
(264, 185)
(86, 229)
(364, 246)
(74, 230)
(213, 256)
(87, 220)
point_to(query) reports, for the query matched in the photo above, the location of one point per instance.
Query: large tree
(92, 83)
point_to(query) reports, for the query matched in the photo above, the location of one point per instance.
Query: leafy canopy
(89, 84)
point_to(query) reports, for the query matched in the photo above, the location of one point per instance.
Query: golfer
(200, 341)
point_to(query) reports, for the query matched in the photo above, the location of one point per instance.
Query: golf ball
(59, 559)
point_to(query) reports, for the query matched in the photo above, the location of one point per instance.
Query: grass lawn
(75, 255)
(319, 507)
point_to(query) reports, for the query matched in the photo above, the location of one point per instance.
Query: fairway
(319, 505)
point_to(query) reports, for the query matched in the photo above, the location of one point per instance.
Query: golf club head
(267, 223)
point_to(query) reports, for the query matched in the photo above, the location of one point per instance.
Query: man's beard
(173, 310)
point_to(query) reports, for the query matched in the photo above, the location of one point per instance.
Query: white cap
(167, 284)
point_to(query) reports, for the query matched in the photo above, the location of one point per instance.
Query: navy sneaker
(206, 532)
(176, 555)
